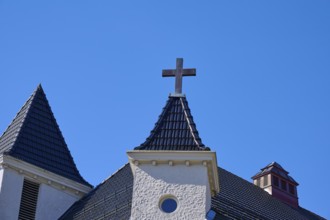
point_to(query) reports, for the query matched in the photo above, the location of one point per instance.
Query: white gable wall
(52, 203)
(56, 193)
(189, 177)
(188, 184)
(11, 184)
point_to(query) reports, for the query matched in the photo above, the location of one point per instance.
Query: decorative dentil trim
(43, 176)
(172, 158)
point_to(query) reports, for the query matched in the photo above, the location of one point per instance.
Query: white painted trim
(44, 176)
(180, 95)
(189, 123)
(208, 158)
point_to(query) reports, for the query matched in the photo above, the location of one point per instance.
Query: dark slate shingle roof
(175, 129)
(238, 199)
(34, 137)
(109, 200)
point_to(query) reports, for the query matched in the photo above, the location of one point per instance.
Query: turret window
(258, 182)
(283, 185)
(291, 189)
(266, 180)
(276, 181)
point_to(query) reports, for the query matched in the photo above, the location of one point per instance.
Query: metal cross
(179, 72)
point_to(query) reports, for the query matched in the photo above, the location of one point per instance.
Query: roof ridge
(27, 104)
(111, 175)
(26, 114)
(189, 123)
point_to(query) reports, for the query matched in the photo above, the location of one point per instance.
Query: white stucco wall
(1, 174)
(11, 184)
(52, 203)
(56, 193)
(189, 184)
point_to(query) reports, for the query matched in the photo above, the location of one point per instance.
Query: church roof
(34, 137)
(109, 200)
(175, 129)
(237, 199)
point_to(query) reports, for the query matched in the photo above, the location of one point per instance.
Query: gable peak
(35, 137)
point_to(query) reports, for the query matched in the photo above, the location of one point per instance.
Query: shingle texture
(34, 137)
(109, 200)
(238, 199)
(175, 129)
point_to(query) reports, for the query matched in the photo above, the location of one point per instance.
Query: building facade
(172, 175)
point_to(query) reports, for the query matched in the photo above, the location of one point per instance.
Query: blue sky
(261, 93)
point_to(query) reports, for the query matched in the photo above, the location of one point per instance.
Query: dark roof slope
(238, 199)
(34, 137)
(175, 129)
(109, 200)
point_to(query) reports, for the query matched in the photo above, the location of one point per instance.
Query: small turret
(275, 180)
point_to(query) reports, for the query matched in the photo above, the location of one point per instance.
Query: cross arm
(189, 72)
(185, 72)
(168, 73)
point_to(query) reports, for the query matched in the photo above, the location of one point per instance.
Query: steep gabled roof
(237, 199)
(175, 129)
(34, 137)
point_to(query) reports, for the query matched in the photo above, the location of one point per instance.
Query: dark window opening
(283, 185)
(276, 181)
(291, 189)
(28, 206)
(266, 180)
(258, 182)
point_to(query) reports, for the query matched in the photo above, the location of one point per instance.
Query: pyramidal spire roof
(175, 129)
(34, 137)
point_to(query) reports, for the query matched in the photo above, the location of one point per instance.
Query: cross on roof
(179, 72)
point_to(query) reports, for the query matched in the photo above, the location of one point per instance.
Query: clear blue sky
(261, 93)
